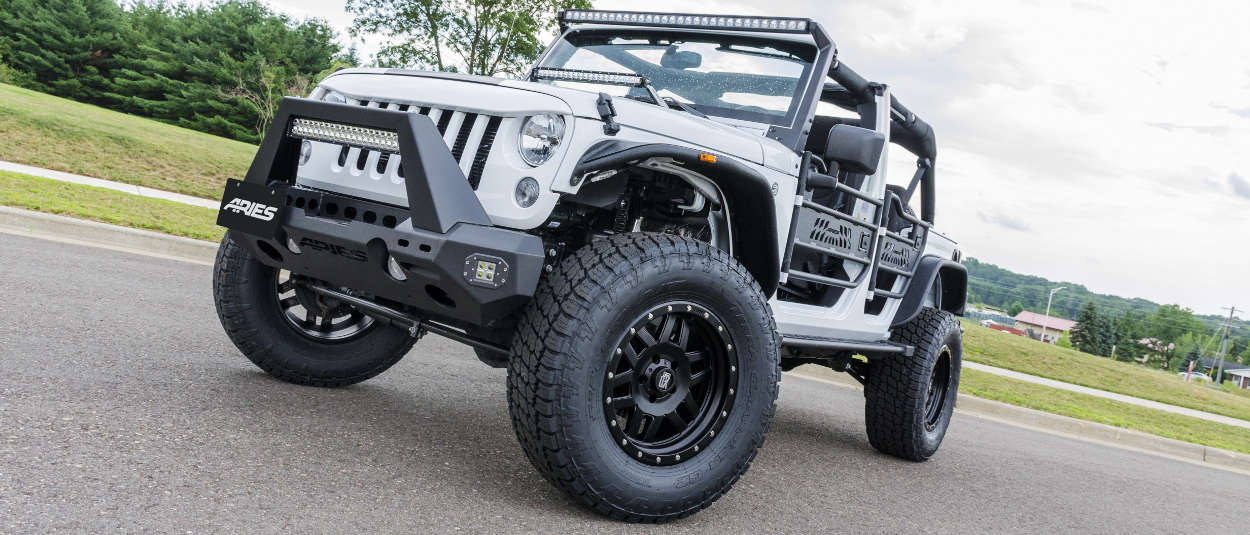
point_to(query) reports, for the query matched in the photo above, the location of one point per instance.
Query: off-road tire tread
(895, 385)
(228, 274)
(553, 318)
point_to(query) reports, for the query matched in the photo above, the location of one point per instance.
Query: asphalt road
(124, 408)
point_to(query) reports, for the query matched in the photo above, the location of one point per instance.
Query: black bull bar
(454, 263)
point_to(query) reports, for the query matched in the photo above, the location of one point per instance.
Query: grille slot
(483, 150)
(462, 138)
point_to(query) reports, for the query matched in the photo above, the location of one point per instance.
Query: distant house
(1055, 327)
(1241, 377)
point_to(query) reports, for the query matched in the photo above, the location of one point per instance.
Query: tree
(1194, 355)
(1245, 357)
(218, 67)
(482, 37)
(1170, 322)
(1015, 309)
(1064, 341)
(1087, 333)
(64, 47)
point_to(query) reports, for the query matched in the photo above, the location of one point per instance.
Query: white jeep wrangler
(645, 231)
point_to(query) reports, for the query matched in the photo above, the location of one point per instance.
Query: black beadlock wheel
(644, 376)
(671, 383)
(292, 333)
(909, 400)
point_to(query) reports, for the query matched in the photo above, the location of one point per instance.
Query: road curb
(1064, 425)
(61, 228)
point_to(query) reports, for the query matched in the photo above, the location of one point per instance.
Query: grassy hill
(994, 348)
(55, 133)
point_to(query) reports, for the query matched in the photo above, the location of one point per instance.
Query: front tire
(291, 334)
(909, 400)
(644, 376)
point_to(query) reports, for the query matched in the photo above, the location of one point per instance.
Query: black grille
(483, 150)
(462, 138)
(444, 120)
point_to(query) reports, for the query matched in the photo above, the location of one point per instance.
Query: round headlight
(540, 137)
(305, 152)
(334, 96)
(526, 192)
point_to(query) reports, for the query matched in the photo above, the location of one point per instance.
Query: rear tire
(248, 304)
(644, 376)
(909, 400)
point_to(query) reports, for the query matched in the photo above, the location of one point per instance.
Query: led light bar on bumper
(616, 78)
(355, 136)
(754, 24)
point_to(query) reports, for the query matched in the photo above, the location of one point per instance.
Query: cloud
(1240, 186)
(1243, 112)
(1013, 223)
(1217, 130)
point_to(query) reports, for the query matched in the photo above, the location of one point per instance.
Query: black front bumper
(455, 265)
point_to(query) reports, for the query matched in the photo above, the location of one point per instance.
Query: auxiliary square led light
(367, 138)
(753, 24)
(545, 73)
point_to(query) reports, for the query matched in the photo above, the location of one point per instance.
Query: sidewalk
(1108, 395)
(108, 184)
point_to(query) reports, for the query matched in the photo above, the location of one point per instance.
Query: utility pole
(1228, 328)
(1047, 318)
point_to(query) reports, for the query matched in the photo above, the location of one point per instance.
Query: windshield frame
(806, 54)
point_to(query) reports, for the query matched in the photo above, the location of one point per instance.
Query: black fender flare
(954, 280)
(748, 197)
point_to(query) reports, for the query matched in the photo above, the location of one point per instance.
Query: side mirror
(855, 149)
(673, 59)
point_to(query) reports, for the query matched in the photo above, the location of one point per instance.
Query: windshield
(738, 77)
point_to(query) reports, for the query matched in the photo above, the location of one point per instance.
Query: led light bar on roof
(545, 73)
(753, 24)
(367, 138)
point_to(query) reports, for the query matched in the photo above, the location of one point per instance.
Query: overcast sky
(1105, 143)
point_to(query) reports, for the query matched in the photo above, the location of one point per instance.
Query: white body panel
(513, 101)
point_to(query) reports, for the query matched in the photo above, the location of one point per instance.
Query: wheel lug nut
(705, 315)
(733, 368)
(696, 449)
(670, 308)
(650, 316)
(731, 391)
(624, 442)
(730, 346)
(711, 433)
(689, 308)
(610, 376)
(613, 424)
(632, 330)
(618, 351)
(720, 328)
(678, 457)
(609, 401)
(724, 414)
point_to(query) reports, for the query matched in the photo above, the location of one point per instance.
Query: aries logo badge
(252, 209)
(339, 250)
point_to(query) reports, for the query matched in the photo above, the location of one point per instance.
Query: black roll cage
(851, 92)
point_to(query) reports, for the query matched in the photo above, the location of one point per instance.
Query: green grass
(1104, 411)
(108, 206)
(54, 133)
(990, 347)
